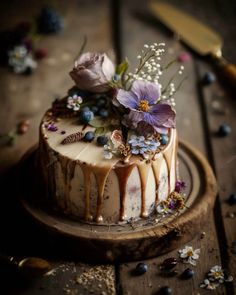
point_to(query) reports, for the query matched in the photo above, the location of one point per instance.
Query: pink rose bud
(92, 72)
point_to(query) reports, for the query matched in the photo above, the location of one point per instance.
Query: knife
(196, 35)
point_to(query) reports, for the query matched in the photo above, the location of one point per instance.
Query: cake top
(128, 114)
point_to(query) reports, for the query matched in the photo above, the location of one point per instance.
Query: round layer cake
(108, 150)
(82, 183)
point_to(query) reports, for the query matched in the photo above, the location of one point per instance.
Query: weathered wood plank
(189, 123)
(24, 97)
(220, 107)
(28, 97)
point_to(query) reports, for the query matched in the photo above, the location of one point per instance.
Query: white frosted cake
(108, 150)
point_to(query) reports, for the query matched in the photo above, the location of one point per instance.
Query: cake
(108, 149)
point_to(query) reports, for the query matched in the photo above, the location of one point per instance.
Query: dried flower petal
(116, 138)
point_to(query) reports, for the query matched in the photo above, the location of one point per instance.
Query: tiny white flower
(209, 285)
(216, 274)
(162, 209)
(107, 155)
(74, 102)
(189, 255)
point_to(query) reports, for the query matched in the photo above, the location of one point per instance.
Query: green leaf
(108, 128)
(97, 122)
(122, 68)
(104, 130)
(99, 131)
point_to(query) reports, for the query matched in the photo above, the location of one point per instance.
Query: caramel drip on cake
(168, 157)
(156, 167)
(57, 163)
(101, 174)
(168, 163)
(68, 169)
(123, 174)
(87, 188)
(143, 170)
(175, 155)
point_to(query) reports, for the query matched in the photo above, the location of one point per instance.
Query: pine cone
(74, 137)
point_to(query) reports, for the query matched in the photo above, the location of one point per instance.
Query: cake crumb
(101, 275)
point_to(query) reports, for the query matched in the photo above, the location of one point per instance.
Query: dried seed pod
(169, 263)
(74, 137)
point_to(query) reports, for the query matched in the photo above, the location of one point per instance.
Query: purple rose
(145, 109)
(92, 72)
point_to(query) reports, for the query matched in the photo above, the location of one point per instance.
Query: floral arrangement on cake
(131, 113)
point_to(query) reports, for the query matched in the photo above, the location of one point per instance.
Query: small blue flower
(141, 145)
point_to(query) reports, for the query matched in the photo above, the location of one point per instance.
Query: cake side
(108, 149)
(82, 183)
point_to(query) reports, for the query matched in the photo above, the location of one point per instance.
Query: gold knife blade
(196, 35)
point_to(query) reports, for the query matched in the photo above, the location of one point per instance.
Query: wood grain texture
(23, 97)
(190, 126)
(29, 96)
(198, 119)
(220, 108)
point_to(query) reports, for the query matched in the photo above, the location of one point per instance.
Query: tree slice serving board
(134, 240)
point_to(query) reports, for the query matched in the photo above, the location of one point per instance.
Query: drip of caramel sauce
(123, 174)
(101, 173)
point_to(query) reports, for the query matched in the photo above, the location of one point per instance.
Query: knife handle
(227, 69)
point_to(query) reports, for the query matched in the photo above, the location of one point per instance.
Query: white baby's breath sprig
(170, 89)
(149, 68)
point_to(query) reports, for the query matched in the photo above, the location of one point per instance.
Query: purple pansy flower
(141, 100)
(180, 186)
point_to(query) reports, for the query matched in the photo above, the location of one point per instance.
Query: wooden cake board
(129, 241)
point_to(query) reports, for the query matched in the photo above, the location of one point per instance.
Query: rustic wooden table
(120, 31)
